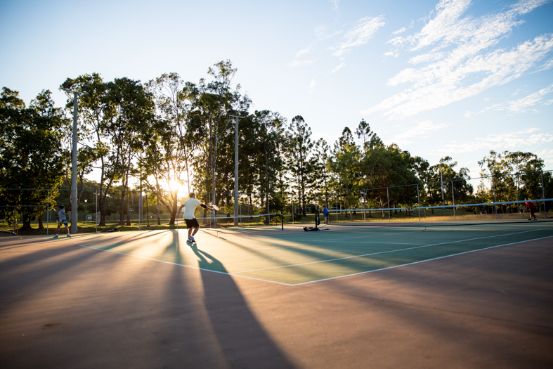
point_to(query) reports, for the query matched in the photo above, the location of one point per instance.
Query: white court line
(418, 262)
(185, 266)
(382, 252)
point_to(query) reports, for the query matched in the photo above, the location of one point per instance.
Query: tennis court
(293, 257)
(383, 296)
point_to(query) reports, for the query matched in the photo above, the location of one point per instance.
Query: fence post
(388, 198)
(419, 203)
(542, 193)
(453, 198)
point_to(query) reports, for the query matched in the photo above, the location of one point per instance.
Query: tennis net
(490, 212)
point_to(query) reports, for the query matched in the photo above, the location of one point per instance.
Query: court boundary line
(382, 252)
(418, 262)
(185, 266)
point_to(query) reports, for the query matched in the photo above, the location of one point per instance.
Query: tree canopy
(169, 134)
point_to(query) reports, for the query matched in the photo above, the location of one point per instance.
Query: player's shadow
(242, 340)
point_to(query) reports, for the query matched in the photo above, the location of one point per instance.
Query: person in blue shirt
(62, 219)
(325, 214)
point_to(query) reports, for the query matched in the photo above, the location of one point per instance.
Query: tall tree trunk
(101, 197)
(122, 206)
(173, 209)
(157, 209)
(127, 205)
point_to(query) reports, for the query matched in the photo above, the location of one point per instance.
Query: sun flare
(178, 186)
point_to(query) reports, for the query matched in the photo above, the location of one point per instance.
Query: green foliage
(173, 131)
(513, 175)
(31, 159)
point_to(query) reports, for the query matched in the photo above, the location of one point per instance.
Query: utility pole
(74, 198)
(236, 136)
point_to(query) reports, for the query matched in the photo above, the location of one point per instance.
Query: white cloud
(360, 34)
(530, 101)
(461, 61)
(547, 65)
(391, 54)
(526, 103)
(303, 57)
(335, 4)
(512, 141)
(446, 19)
(430, 91)
(399, 31)
(426, 58)
(419, 130)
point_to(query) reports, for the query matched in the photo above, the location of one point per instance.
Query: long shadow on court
(308, 270)
(476, 305)
(242, 340)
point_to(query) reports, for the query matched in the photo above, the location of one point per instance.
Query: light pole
(74, 199)
(236, 136)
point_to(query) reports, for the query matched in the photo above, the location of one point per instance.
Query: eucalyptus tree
(114, 119)
(421, 165)
(300, 158)
(130, 116)
(266, 141)
(215, 103)
(368, 137)
(346, 164)
(446, 184)
(165, 165)
(93, 106)
(514, 175)
(528, 171)
(32, 161)
(373, 154)
(389, 174)
(320, 188)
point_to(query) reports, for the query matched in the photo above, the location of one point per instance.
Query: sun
(174, 185)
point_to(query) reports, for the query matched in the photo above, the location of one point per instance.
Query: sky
(438, 78)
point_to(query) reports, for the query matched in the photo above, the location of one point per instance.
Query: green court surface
(295, 257)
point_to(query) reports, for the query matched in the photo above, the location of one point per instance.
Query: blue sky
(449, 77)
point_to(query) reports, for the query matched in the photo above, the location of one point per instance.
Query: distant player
(62, 219)
(325, 214)
(531, 209)
(189, 216)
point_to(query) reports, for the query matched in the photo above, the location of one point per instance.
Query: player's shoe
(68, 235)
(56, 237)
